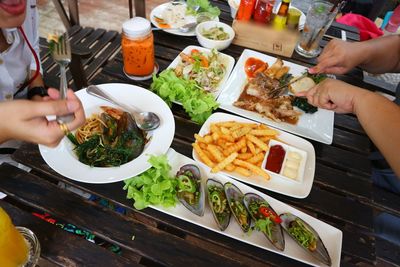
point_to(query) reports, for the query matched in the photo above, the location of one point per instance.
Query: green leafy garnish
(317, 78)
(204, 5)
(303, 104)
(264, 225)
(302, 234)
(196, 102)
(154, 186)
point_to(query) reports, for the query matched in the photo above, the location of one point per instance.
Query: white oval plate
(63, 160)
(331, 236)
(228, 61)
(276, 183)
(317, 126)
(158, 11)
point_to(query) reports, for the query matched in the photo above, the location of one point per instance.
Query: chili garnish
(268, 213)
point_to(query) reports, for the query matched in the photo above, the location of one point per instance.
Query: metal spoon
(146, 121)
(184, 28)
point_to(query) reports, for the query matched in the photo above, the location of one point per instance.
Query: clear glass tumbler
(319, 18)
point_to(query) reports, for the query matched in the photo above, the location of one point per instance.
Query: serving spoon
(146, 121)
(184, 28)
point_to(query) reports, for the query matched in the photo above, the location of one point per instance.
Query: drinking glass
(319, 18)
(18, 245)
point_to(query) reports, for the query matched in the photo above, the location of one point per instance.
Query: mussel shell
(225, 222)
(197, 208)
(321, 253)
(233, 192)
(278, 239)
(192, 168)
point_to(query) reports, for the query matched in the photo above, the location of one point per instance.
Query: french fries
(235, 147)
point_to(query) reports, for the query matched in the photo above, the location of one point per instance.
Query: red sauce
(253, 66)
(275, 158)
(263, 11)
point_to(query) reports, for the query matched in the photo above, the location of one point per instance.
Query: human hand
(27, 119)
(339, 57)
(334, 95)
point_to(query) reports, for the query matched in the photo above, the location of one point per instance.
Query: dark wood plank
(63, 248)
(148, 242)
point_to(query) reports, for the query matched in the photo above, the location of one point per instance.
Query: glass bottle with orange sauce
(14, 249)
(138, 48)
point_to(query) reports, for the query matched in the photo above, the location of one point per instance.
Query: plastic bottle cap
(136, 27)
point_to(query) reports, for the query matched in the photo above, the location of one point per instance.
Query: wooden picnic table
(342, 194)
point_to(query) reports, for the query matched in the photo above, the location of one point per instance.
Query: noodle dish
(108, 139)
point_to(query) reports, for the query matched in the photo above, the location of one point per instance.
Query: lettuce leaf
(154, 186)
(196, 102)
(204, 5)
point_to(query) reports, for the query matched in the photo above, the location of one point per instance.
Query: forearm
(381, 55)
(380, 119)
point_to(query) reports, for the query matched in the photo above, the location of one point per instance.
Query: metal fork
(61, 54)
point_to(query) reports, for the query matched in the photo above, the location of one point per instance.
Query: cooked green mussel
(306, 237)
(235, 201)
(266, 219)
(190, 190)
(218, 203)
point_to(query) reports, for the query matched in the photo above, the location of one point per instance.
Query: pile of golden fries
(235, 147)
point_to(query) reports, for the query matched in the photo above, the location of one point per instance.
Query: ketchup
(263, 11)
(253, 66)
(275, 158)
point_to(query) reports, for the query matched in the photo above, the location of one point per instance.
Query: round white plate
(63, 160)
(158, 11)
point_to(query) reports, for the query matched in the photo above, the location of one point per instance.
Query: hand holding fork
(61, 53)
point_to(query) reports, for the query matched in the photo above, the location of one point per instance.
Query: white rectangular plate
(276, 183)
(317, 126)
(331, 236)
(227, 60)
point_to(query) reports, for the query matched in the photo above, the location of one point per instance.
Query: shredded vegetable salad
(206, 70)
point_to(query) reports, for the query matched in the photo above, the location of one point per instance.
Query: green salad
(154, 186)
(196, 102)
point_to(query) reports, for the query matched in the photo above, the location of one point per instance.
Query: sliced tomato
(270, 214)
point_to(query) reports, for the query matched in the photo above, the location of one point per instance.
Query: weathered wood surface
(342, 194)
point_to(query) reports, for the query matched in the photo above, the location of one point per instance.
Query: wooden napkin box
(265, 38)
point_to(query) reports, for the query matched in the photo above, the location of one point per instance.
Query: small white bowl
(217, 44)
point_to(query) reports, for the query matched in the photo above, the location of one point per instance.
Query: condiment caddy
(275, 33)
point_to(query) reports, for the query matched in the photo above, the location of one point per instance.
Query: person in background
(379, 116)
(20, 78)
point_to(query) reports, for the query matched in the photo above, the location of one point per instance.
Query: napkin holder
(265, 38)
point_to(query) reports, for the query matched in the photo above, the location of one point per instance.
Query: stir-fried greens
(108, 140)
(302, 234)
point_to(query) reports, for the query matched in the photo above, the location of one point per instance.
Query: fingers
(79, 112)
(53, 93)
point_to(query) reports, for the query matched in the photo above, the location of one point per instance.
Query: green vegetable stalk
(153, 187)
(196, 102)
